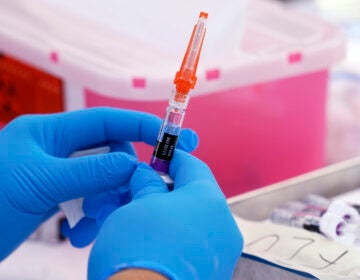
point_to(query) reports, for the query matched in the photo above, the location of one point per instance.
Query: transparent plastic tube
(168, 135)
(185, 80)
(317, 220)
(296, 219)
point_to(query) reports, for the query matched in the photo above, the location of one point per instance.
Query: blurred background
(344, 84)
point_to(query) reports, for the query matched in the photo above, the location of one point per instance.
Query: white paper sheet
(300, 250)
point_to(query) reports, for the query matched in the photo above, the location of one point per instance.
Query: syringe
(185, 79)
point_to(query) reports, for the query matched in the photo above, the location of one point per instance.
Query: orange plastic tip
(185, 78)
(204, 15)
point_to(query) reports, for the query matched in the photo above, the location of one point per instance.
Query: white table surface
(40, 261)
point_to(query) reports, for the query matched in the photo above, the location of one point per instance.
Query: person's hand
(96, 207)
(188, 233)
(36, 175)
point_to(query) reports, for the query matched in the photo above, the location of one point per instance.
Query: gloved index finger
(186, 169)
(86, 128)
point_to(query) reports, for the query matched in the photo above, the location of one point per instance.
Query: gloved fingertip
(112, 170)
(118, 160)
(125, 147)
(189, 140)
(104, 212)
(145, 166)
(145, 181)
(131, 158)
(83, 233)
(92, 204)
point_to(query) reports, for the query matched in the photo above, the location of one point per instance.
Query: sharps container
(259, 103)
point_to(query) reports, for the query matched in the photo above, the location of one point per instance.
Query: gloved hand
(97, 207)
(188, 233)
(36, 175)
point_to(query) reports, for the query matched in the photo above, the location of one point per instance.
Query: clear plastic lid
(103, 45)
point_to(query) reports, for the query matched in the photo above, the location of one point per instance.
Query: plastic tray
(256, 206)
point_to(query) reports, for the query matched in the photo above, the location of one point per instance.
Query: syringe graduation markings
(185, 79)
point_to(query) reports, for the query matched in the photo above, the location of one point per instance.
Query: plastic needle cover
(185, 79)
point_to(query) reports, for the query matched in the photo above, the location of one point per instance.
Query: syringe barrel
(168, 135)
(295, 219)
(185, 80)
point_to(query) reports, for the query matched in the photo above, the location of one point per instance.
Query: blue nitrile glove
(188, 233)
(97, 207)
(36, 175)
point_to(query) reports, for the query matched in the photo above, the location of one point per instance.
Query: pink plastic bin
(259, 110)
(252, 135)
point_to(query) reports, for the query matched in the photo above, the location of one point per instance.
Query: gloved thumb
(82, 176)
(145, 181)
